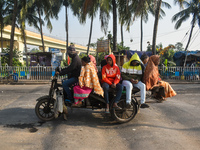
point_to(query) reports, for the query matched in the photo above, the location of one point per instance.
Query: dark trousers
(118, 89)
(67, 84)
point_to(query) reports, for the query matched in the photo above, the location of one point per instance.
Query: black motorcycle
(45, 109)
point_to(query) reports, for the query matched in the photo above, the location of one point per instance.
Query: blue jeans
(119, 89)
(67, 84)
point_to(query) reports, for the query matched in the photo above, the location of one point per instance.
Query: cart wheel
(44, 112)
(125, 114)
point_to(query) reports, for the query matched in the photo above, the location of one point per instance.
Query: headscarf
(151, 73)
(93, 60)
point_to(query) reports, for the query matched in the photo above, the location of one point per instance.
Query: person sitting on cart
(88, 81)
(73, 72)
(132, 74)
(111, 78)
(160, 89)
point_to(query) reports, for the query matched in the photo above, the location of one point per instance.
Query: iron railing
(46, 72)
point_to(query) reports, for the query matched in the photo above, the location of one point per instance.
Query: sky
(166, 34)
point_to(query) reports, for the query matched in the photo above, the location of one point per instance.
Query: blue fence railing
(46, 72)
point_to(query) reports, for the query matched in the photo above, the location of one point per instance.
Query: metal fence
(29, 73)
(177, 73)
(46, 72)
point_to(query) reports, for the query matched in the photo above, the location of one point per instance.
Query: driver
(73, 72)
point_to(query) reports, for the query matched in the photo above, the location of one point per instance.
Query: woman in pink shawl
(88, 81)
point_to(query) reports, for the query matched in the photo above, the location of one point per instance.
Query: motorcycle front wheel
(43, 111)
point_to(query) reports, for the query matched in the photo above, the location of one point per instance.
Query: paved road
(173, 124)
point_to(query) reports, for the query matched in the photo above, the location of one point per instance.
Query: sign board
(54, 50)
(103, 46)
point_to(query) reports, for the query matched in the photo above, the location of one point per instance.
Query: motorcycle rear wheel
(43, 111)
(125, 114)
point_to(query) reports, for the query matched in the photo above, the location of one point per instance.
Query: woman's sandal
(107, 111)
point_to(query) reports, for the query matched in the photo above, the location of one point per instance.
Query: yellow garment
(88, 78)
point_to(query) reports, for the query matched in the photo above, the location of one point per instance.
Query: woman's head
(85, 60)
(155, 59)
(110, 61)
(144, 58)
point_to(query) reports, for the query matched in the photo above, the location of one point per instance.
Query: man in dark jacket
(73, 72)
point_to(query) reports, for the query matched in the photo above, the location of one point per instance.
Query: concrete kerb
(34, 82)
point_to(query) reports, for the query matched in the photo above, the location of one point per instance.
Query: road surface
(171, 125)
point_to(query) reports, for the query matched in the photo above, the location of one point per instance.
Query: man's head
(71, 51)
(135, 63)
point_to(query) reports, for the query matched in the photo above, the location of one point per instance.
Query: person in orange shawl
(160, 89)
(88, 81)
(111, 78)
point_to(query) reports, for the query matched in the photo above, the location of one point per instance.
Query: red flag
(68, 60)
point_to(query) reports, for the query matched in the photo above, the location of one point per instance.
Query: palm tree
(114, 5)
(14, 14)
(66, 4)
(90, 8)
(191, 8)
(3, 12)
(50, 9)
(26, 14)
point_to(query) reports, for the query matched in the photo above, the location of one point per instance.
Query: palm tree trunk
(25, 46)
(114, 25)
(157, 14)
(88, 48)
(41, 33)
(188, 44)
(1, 42)
(122, 37)
(189, 37)
(141, 40)
(12, 33)
(67, 30)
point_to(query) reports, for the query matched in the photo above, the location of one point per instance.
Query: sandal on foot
(107, 111)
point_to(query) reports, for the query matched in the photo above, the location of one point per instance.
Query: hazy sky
(166, 33)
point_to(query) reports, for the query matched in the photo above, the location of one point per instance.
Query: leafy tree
(179, 46)
(15, 59)
(191, 8)
(4, 11)
(166, 53)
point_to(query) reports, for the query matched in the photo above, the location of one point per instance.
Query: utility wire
(194, 38)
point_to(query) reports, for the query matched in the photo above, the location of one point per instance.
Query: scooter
(45, 106)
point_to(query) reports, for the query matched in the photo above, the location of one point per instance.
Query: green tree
(191, 8)
(15, 59)
(179, 46)
(4, 11)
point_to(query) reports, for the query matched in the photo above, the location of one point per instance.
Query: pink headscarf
(93, 60)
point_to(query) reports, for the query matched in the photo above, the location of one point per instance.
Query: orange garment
(151, 77)
(151, 74)
(88, 78)
(169, 92)
(111, 74)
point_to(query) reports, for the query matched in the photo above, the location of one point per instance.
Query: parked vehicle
(45, 109)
